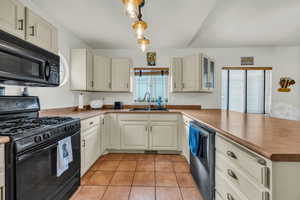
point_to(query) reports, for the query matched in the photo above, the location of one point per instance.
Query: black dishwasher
(203, 164)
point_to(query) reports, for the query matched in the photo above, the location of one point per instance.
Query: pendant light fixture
(132, 7)
(144, 42)
(139, 27)
(134, 10)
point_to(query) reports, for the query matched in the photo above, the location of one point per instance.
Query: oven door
(36, 177)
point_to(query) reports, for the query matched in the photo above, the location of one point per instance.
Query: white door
(40, 32)
(185, 142)
(102, 73)
(91, 146)
(191, 73)
(205, 81)
(89, 70)
(121, 74)
(212, 78)
(176, 74)
(163, 136)
(134, 135)
(12, 17)
(114, 132)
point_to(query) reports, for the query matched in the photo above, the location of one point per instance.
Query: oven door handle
(29, 154)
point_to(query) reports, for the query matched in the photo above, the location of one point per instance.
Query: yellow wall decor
(285, 83)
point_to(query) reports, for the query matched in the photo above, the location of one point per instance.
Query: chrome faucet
(148, 94)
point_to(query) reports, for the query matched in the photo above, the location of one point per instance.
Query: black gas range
(31, 156)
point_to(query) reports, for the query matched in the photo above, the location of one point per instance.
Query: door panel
(102, 73)
(163, 136)
(40, 32)
(92, 146)
(12, 17)
(191, 73)
(176, 74)
(121, 74)
(134, 135)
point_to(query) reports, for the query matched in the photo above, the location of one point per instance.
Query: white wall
(284, 60)
(60, 96)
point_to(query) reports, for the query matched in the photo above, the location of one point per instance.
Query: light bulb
(139, 27)
(139, 33)
(143, 47)
(131, 7)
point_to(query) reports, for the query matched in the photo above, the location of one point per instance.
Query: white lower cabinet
(134, 135)
(143, 132)
(113, 132)
(163, 136)
(90, 143)
(91, 146)
(185, 138)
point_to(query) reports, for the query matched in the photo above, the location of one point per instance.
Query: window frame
(151, 81)
(246, 69)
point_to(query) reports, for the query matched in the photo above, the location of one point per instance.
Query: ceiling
(181, 23)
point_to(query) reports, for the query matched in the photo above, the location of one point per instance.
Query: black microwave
(22, 63)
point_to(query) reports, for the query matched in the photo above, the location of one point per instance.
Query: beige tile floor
(138, 177)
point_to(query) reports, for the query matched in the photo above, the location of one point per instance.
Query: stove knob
(46, 136)
(38, 139)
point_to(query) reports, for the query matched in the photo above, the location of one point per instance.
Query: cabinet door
(176, 74)
(212, 80)
(91, 146)
(134, 135)
(114, 132)
(121, 74)
(82, 69)
(102, 73)
(89, 70)
(205, 81)
(191, 73)
(12, 17)
(185, 142)
(40, 32)
(164, 136)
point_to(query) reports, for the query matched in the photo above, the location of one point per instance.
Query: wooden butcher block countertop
(273, 138)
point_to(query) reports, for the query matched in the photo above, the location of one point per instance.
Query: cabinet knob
(229, 196)
(231, 154)
(32, 30)
(232, 174)
(21, 22)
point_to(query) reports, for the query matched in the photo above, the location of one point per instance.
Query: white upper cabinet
(12, 17)
(176, 68)
(82, 70)
(120, 69)
(102, 73)
(40, 32)
(193, 73)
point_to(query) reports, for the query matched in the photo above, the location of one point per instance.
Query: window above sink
(153, 81)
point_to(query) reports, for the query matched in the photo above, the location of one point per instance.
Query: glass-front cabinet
(208, 73)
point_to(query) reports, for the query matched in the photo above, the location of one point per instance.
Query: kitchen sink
(149, 109)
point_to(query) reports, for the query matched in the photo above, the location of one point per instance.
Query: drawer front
(163, 117)
(250, 163)
(133, 117)
(239, 179)
(91, 122)
(225, 190)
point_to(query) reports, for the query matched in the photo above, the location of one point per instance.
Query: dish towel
(64, 155)
(194, 139)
